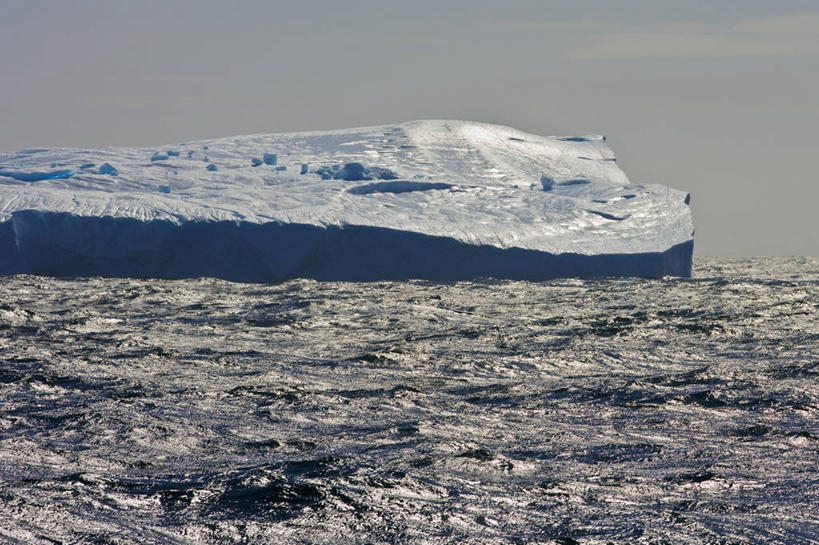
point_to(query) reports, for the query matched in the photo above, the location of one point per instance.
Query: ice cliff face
(425, 199)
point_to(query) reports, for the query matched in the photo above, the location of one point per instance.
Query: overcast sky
(717, 98)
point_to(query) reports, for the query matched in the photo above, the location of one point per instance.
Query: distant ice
(546, 182)
(380, 173)
(325, 172)
(442, 200)
(108, 168)
(351, 172)
(397, 187)
(35, 176)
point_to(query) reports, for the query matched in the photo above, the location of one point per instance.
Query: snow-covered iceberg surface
(441, 200)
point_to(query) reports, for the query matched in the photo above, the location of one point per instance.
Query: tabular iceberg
(438, 200)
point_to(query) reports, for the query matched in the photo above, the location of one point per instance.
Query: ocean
(489, 412)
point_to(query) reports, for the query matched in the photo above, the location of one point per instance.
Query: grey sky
(718, 98)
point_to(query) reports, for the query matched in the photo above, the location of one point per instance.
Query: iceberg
(437, 200)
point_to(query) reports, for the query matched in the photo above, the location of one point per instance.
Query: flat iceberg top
(476, 183)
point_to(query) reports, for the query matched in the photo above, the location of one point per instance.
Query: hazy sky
(720, 98)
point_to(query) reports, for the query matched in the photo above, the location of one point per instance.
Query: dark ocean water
(592, 412)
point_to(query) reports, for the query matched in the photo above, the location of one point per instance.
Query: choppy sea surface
(570, 411)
